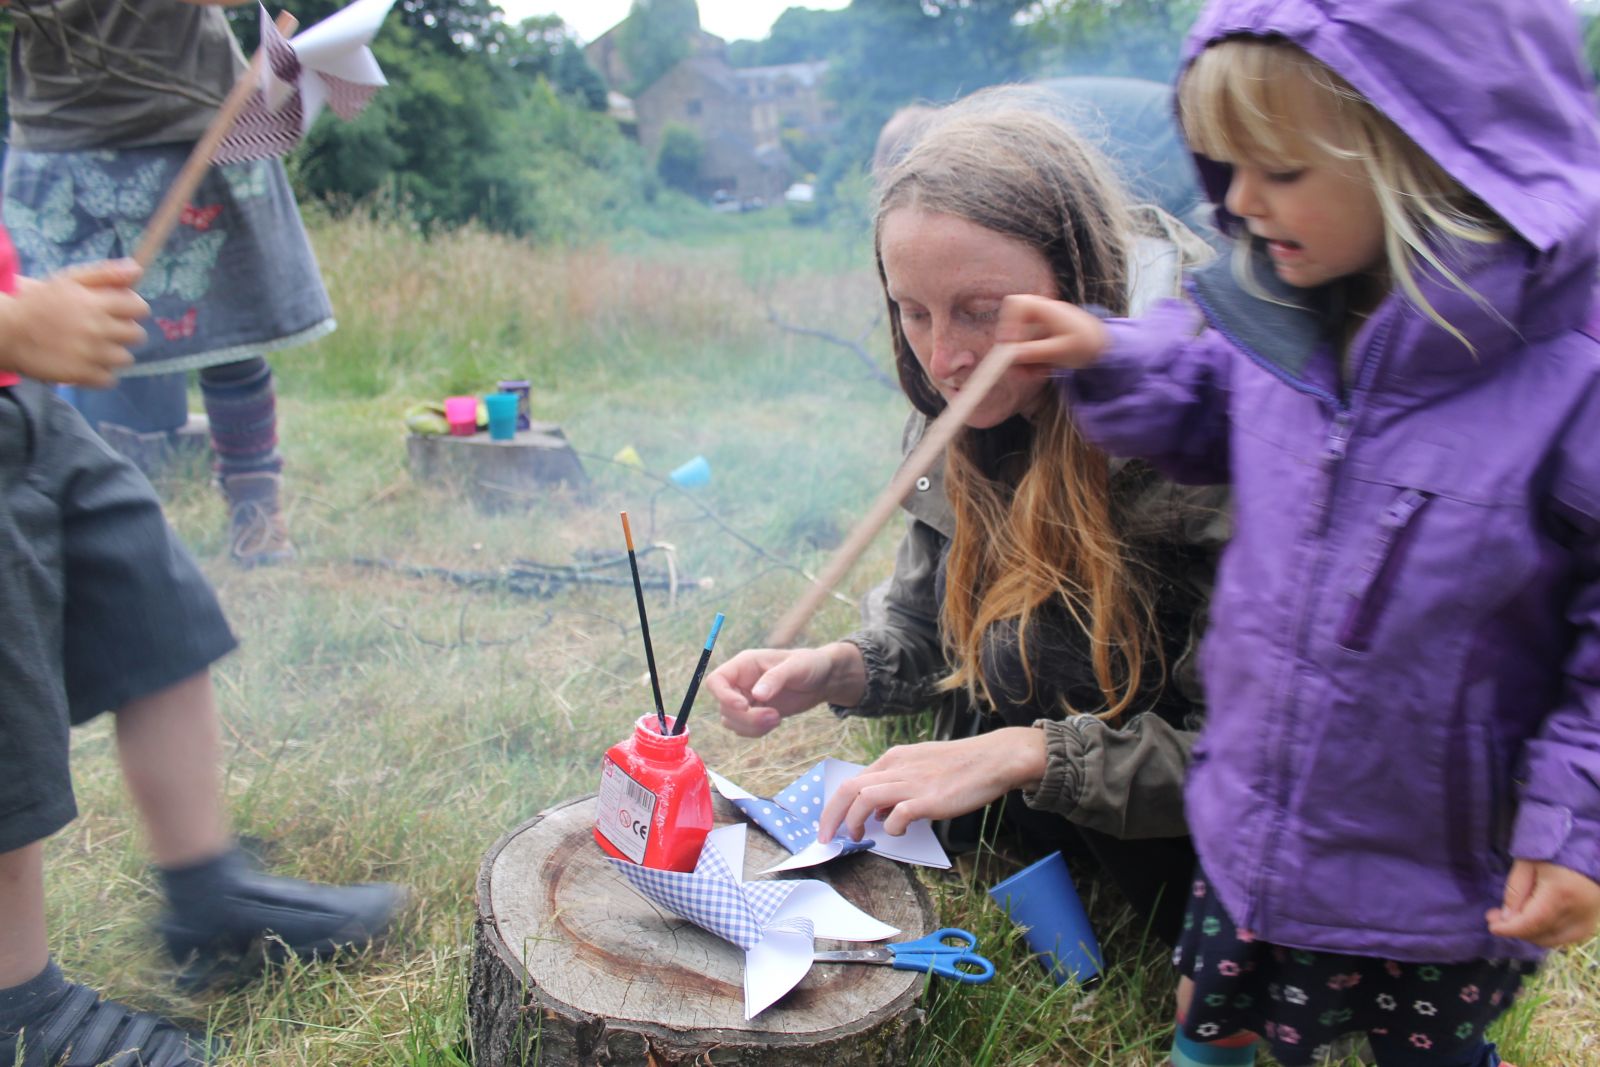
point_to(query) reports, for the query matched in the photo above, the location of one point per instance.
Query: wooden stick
(918, 463)
(199, 161)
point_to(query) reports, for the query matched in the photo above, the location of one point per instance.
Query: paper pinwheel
(791, 818)
(776, 923)
(328, 65)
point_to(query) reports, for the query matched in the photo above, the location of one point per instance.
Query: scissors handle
(946, 953)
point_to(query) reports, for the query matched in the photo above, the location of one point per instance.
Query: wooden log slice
(571, 966)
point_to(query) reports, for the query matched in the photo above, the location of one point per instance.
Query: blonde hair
(1246, 99)
(1035, 526)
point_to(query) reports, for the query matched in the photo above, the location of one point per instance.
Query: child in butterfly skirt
(107, 98)
(105, 608)
(1396, 796)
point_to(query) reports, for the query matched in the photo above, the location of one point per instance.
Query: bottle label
(624, 811)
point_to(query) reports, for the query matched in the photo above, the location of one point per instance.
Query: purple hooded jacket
(1403, 669)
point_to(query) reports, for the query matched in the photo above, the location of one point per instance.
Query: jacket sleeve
(1159, 393)
(1558, 811)
(903, 655)
(1124, 782)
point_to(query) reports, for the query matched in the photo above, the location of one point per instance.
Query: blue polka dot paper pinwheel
(791, 818)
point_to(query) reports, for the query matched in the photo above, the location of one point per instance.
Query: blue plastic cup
(1043, 901)
(502, 416)
(696, 472)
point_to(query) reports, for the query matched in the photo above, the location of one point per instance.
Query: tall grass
(381, 726)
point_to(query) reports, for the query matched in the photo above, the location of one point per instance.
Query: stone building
(740, 114)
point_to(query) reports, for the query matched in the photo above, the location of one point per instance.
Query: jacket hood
(1496, 91)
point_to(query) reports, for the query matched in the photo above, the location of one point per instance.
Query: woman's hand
(759, 687)
(936, 780)
(1547, 904)
(1050, 333)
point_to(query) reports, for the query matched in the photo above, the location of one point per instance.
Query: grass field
(382, 726)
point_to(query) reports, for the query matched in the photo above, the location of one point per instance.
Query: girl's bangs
(1246, 101)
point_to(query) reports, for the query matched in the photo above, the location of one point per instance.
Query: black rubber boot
(81, 1030)
(224, 918)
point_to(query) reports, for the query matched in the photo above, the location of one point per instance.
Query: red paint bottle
(655, 800)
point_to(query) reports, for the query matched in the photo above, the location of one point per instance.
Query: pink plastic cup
(461, 412)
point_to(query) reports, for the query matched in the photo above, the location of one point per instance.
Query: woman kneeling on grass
(1045, 597)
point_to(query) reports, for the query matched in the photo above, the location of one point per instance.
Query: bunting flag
(328, 65)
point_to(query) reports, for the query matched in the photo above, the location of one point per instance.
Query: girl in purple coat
(1396, 797)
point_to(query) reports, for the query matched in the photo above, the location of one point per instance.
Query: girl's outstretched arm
(1050, 333)
(1155, 388)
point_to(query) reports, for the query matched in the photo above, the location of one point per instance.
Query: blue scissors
(946, 953)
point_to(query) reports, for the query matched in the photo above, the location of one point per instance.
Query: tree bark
(572, 968)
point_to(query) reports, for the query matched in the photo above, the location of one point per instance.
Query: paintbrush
(644, 626)
(699, 673)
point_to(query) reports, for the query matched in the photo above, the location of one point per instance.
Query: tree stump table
(571, 967)
(498, 475)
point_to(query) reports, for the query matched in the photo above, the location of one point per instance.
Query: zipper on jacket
(1333, 453)
(1371, 589)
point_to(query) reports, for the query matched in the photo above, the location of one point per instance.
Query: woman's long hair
(1034, 526)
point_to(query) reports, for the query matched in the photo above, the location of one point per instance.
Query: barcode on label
(639, 794)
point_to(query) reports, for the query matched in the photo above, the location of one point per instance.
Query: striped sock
(243, 410)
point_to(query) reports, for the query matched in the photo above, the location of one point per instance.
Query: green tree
(896, 52)
(799, 34)
(1129, 38)
(543, 47)
(678, 163)
(655, 36)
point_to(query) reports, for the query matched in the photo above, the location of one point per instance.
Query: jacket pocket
(1370, 586)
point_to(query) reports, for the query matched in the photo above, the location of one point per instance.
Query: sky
(731, 20)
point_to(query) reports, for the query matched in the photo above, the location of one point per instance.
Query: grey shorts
(102, 604)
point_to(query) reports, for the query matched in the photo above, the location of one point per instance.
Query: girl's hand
(935, 780)
(1049, 332)
(74, 327)
(1547, 904)
(759, 687)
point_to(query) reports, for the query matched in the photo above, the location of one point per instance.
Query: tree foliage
(483, 121)
(1128, 38)
(678, 162)
(655, 36)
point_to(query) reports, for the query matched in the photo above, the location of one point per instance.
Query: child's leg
(1235, 1050)
(170, 747)
(242, 406)
(23, 951)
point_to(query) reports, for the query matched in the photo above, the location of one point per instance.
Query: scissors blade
(859, 955)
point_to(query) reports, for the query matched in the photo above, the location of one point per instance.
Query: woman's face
(947, 276)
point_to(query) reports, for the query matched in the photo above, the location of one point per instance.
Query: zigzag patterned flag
(328, 65)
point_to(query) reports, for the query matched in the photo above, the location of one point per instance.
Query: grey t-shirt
(116, 73)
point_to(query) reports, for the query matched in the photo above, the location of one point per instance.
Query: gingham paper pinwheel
(776, 923)
(791, 818)
(328, 65)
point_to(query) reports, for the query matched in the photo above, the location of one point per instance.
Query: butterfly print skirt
(236, 279)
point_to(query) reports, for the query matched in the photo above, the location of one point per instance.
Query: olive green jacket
(1125, 781)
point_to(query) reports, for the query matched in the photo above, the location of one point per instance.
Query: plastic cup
(502, 416)
(696, 472)
(524, 393)
(1043, 901)
(461, 412)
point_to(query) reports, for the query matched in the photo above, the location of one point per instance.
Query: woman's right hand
(759, 687)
